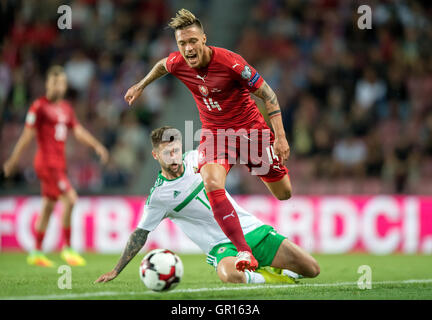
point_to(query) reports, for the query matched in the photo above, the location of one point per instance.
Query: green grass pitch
(393, 277)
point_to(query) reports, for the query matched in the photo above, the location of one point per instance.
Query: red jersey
(51, 121)
(221, 89)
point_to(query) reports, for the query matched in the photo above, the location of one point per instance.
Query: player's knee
(313, 269)
(212, 184)
(71, 198)
(317, 270)
(227, 272)
(49, 206)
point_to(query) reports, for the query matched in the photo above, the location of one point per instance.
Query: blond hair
(184, 18)
(55, 70)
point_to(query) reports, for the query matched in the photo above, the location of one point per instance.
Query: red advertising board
(321, 224)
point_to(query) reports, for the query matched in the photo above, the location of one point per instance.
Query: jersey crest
(204, 90)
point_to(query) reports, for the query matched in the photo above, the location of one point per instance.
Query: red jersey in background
(51, 120)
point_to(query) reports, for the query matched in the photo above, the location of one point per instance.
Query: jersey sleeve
(33, 115)
(244, 73)
(172, 60)
(153, 213)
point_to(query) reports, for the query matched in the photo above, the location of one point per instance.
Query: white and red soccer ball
(161, 270)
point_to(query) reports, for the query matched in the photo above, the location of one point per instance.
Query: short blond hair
(55, 70)
(184, 18)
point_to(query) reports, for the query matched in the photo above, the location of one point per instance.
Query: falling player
(220, 82)
(179, 195)
(49, 119)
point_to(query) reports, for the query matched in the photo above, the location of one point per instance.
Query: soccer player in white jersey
(179, 195)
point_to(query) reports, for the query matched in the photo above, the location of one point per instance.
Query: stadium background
(356, 107)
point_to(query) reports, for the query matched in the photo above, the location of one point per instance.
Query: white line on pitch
(240, 288)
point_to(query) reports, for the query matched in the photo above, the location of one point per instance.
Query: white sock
(291, 274)
(254, 277)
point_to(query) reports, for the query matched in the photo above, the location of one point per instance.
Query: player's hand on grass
(9, 167)
(107, 276)
(281, 148)
(133, 93)
(103, 153)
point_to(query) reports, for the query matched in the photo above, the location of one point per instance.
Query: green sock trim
(248, 276)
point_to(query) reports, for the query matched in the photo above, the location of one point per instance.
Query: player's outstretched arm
(158, 70)
(136, 241)
(281, 146)
(23, 141)
(83, 136)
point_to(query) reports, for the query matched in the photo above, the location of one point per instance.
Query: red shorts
(54, 182)
(251, 147)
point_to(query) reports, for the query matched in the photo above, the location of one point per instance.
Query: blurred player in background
(220, 82)
(179, 195)
(49, 119)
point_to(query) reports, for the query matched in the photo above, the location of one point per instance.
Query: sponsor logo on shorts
(221, 250)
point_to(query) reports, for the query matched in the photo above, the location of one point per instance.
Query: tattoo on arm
(136, 241)
(269, 97)
(272, 106)
(156, 72)
(274, 113)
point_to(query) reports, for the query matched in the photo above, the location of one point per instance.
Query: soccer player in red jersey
(221, 82)
(49, 119)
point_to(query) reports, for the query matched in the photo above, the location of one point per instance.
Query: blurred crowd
(112, 44)
(355, 103)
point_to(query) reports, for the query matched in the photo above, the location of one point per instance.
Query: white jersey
(184, 201)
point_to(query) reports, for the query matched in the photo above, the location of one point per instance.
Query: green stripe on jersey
(190, 197)
(158, 183)
(205, 204)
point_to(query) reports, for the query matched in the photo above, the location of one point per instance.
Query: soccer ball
(161, 270)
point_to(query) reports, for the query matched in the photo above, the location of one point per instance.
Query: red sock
(222, 208)
(39, 239)
(67, 236)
